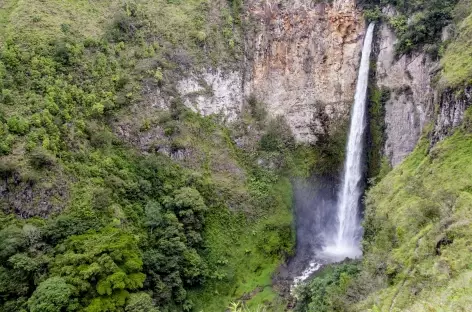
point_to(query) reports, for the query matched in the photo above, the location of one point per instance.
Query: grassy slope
(244, 242)
(457, 59)
(418, 218)
(418, 224)
(239, 245)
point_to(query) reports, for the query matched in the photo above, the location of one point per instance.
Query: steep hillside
(417, 230)
(417, 219)
(417, 239)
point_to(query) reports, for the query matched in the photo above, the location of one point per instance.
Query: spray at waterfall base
(344, 242)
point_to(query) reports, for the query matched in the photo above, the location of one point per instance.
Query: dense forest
(198, 216)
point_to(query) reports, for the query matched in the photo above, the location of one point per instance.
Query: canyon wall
(302, 60)
(409, 108)
(414, 101)
(451, 112)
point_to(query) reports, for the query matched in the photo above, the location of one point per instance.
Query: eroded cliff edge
(299, 58)
(302, 60)
(408, 80)
(415, 98)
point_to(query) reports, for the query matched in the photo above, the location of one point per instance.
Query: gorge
(170, 155)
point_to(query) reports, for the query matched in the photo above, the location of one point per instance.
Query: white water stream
(345, 242)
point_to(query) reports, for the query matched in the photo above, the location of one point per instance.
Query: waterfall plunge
(347, 239)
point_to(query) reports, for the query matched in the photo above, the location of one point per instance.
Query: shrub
(145, 126)
(6, 145)
(140, 302)
(7, 168)
(177, 109)
(327, 291)
(171, 128)
(418, 22)
(278, 136)
(467, 123)
(52, 295)
(276, 238)
(425, 26)
(7, 96)
(257, 109)
(41, 158)
(373, 15)
(18, 125)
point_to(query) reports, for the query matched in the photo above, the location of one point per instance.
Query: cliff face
(410, 104)
(414, 101)
(302, 60)
(452, 106)
(214, 92)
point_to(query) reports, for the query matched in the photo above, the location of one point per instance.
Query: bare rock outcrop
(302, 58)
(213, 92)
(452, 107)
(410, 106)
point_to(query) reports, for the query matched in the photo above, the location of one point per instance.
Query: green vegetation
(91, 221)
(238, 307)
(456, 61)
(327, 292)
(111, 204)
(417, 233)
(331, 143)
(376, 137)
(418, 23)
(419, 26)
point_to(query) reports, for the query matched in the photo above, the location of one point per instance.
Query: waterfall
(347, 242)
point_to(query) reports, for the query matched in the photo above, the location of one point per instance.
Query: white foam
(339, 252)
(312, 268)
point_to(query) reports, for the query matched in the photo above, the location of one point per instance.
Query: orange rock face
(303, 60)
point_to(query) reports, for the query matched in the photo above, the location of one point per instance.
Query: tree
(12, 239)
(153, 215)
(170, 263)
(103, 266)
(53, 295)
(189, 207)
(140, 302)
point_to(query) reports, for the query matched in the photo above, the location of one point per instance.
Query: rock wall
(452, 106)
(213, 92)
(411, 95)
(414, 102)
(302, 60)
